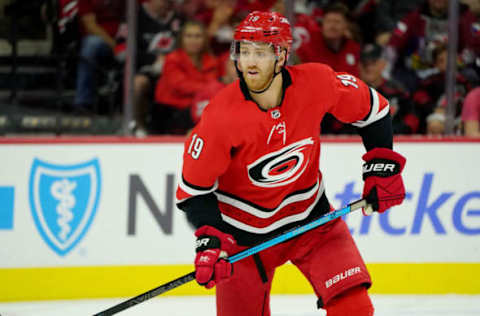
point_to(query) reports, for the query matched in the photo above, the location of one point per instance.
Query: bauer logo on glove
(382, 175)
(381, 169)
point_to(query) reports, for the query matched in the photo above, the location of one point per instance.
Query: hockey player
(250, 171)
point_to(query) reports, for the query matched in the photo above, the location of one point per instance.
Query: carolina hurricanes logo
(162, 42)
(280, 167)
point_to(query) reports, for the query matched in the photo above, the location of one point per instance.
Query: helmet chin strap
(270, 83)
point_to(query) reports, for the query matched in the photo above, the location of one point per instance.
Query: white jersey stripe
(375, 114)
(262, 214)
(192, 191)
(275, 225)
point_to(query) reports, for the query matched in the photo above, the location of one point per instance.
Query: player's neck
(272, 96)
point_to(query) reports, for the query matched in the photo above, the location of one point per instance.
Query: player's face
(441, 61)
(439, 6)
(159, 6)
(193, 39)
(334, 26)
(256, 62)
(371, 71)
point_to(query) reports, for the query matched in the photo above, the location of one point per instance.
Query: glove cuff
(205, 242)
(384, 153)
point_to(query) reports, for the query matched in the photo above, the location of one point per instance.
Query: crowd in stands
(397, 47)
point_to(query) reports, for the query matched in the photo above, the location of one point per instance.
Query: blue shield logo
(63, 201)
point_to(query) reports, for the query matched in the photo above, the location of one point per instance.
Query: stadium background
(113, 244)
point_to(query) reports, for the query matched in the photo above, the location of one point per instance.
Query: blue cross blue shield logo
(63, 201)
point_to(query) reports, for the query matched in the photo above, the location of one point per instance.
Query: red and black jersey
(263, 166)
(155, 36)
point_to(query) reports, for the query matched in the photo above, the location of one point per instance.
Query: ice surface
(282, 305)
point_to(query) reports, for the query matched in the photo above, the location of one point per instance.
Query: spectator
(330, 44)
(220, 28)
(361, 15)
(413, 40)
(388, 13)
(220, 16)
(157, 30)
(471, 113)
(248, 6)
(436, 122)
(219, 12)
(471, 55)
(428, 97)
(189, 8)
(99, 21)
(186, 71)
(217, 15)
(201, 99)
(372, 64)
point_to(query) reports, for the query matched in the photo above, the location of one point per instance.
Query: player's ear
(282, 60)
(239, 66)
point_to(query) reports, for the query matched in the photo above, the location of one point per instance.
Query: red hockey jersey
(263, 166)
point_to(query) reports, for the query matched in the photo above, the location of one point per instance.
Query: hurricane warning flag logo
(281, 167)
(63, 201)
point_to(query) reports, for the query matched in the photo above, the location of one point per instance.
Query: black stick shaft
(148, 295)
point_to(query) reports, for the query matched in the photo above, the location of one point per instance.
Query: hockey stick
(239, 256)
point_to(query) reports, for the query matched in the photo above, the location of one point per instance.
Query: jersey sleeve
(206, 156)
(354, 102)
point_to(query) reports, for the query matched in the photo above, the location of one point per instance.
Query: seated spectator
(413, 40)
(220, 26)
(158, 26)
(217, 16)
(436, 122)
(99, 21)
(437, 119)
(471, 113)
(428, 97)
(189, 8)
(201, 99)
(186, 71)
(331, 43)
(470, 56)
(248, 6)
(359, 13)
(372, 65)
(220, 16)
(362, 13)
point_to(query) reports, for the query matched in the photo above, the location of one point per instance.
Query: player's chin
(254, 84)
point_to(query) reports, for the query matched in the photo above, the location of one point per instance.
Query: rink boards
(97, 218)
